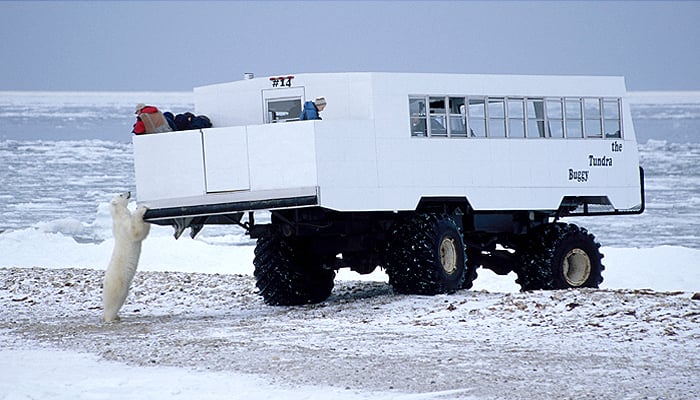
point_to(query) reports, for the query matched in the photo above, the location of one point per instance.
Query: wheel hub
(448, 255)
(577, 267)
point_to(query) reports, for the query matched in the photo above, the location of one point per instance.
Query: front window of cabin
(515, 117)
(283, 110)
(283, 102)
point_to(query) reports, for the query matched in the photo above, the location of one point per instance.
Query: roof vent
(248, 75)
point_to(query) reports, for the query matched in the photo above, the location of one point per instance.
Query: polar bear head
(119, 204)
(122, 199)
(125, 225)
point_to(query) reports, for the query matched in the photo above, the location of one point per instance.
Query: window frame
(419, 116)
(618, 113)
(521, 119)
(481, 119)
(282, 94)
(536, 119)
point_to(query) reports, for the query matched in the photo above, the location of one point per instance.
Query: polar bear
(129, 231)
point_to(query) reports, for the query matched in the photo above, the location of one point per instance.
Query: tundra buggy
(428, 176)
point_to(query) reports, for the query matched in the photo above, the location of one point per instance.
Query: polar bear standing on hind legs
(129, 231)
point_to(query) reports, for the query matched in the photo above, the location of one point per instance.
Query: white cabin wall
(230, 104)
(497, 85)
(382, 95)
(348, 96)
(347, 163)
(497, 173)
(627, 124)
(282, 156)
(363, 145)
(241, 102)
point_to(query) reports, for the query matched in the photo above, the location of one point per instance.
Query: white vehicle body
(429, 176)
(362, 156)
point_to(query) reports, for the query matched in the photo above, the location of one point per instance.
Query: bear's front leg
(139, 227)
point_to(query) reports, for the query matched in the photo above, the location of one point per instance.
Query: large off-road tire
(426, 255)
(286, 276)
(560, 256)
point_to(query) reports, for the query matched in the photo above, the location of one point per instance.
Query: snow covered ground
(199, 330)
(193, 326)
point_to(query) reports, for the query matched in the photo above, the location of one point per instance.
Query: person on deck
(312, 109)
(149, 120)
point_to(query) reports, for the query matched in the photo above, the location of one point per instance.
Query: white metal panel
(169, 165)
(282, 155)
(500, 173)
(226, 159)
(231, 104)
(347, 164)
(496, 85)
(348, 95)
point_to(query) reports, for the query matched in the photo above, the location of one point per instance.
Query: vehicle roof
(450, 83)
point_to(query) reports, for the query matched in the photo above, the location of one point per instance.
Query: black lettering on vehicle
(603, 161)
(578, 176)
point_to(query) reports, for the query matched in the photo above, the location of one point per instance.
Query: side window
(516, 118)
(283, 110)
(477, 117)
(535, 118)
(497, 118)
(592, 118)
(438, 117)
(574, 118)
(457, 116)
(555, 118)
(611, 121)
(282, 104)
(500, 117)
(416, 106)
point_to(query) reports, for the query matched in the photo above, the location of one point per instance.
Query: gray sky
(178, 45)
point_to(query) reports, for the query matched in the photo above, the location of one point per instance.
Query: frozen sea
(64, 154)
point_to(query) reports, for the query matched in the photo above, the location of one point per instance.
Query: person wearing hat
(149, 120)
(312, 109)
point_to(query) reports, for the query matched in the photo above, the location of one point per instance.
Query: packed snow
(194, 326)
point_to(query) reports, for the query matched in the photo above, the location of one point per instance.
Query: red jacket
(156, 116)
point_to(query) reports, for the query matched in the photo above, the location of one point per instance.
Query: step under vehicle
(428, 176)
